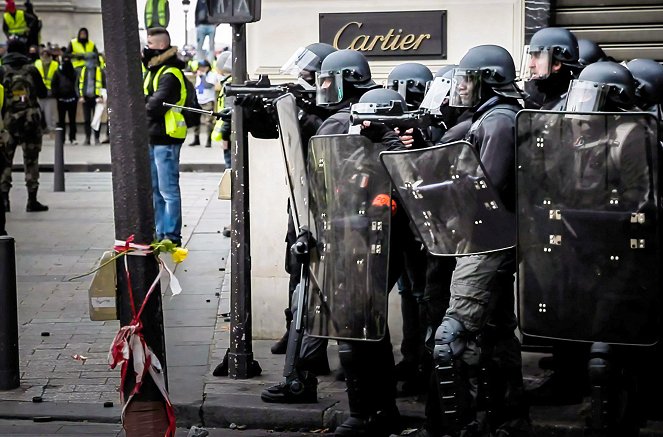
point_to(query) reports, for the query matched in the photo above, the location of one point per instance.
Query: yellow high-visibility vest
(220, 104)
(174, 120)
(17, 24)
(78, 49)
(159, 17)
(98, 83)
(48, 76)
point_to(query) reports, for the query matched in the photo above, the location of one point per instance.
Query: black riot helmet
(343, 74)
(602, 86)
(445, 70)
(306, 61)
(649, 77)
(548, 45)
(383, 98)
(410, 80)
(590, 52)
(484, 71)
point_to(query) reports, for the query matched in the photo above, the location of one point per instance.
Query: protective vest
(2, 104)
(159, 16)
(17, 24)
(220, 104)
(47, 76)
(193, 65)
(98, 82)
(78, 49)
(174, 120)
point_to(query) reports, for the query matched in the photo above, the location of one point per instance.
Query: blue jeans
(203, 30)
(165, 167)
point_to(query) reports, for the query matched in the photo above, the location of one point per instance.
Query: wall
(289, 24)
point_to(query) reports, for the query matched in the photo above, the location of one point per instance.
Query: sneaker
(73, 142)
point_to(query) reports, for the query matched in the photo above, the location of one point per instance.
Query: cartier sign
(388, 34)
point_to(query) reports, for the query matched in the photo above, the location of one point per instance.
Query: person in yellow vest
(47, 67)
(91, 79)
(157, 13)
(164, 83)
(81, 48)
(16, 22)
(221, 131)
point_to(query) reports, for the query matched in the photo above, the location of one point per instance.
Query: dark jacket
(202, 16)
(16, 61)
(168, 90)
(495, 139)
(63, 85)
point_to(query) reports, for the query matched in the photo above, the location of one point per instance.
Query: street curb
(187, 415)
(106, 167)
(219, 411)
(63, 411)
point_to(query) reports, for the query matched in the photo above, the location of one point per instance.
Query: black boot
(5, 201)
(33, 204)
(280, 347)
(298, 390)
(195, 142)
(209, 142)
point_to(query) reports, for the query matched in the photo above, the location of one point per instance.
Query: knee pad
(450, 341)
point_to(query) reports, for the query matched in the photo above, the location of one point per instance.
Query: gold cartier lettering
(406, 42)
(340, 32)
(393, 40)
(420, 39)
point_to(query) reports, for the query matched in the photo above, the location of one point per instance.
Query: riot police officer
(477, 330)
(549, 66)
(590, 52)
(300, 385)
(344, 78)
(649, 88)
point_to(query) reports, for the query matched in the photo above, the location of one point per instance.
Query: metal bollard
(58, 160)
(9, 369)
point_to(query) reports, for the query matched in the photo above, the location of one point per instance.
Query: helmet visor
(437, 95)
(586, 96)
(329, 88)
(302, 59)
(465, 88)
(536, 64)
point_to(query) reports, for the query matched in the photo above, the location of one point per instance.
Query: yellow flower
(179, 254)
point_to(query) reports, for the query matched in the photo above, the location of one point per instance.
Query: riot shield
(293, 157)
(351, 207)
(451, 202)
(588, 217)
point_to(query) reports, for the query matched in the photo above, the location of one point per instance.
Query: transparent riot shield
(351, 207)
(293, 156)
(588, 234)
(450, 200)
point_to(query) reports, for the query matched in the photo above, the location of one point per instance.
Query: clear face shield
(586, 96)
(465, 88)
(437, 95)
(329, 88)
(302, 60)
(536, 64)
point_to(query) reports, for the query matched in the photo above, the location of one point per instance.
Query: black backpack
(21, 102)
(191, 118)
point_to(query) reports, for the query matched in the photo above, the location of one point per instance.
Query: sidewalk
(54, 325)
(79, 158)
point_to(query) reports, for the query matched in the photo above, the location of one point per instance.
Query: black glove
(226, 114)
(249, 102)
(375, 132)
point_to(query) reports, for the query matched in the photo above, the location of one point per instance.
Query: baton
(199, 111)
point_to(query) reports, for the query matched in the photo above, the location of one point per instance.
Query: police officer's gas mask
(465, 88)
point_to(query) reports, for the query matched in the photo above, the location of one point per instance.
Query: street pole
(9, 365)
(133, 211)
(240, 355)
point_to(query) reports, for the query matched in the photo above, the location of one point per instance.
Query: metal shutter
(624, 29)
